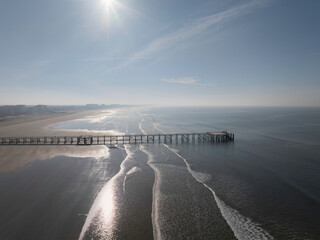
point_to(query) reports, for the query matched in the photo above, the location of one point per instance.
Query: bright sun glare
(112, 10)
(109, 3)
(112, 7)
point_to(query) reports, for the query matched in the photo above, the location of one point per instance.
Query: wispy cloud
(192, 29)
(180, 80)
(105, 59)
(40, 63)
(186, 81)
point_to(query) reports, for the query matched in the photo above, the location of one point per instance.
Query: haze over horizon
(206, 52)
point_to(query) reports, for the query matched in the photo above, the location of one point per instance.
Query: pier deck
(120, 139)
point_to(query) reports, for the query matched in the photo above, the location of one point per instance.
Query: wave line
(243, 227)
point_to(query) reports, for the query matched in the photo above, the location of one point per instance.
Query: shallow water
(265, 185)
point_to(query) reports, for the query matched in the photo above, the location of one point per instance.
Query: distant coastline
(18, 110)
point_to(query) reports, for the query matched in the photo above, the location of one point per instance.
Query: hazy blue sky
(177, 52)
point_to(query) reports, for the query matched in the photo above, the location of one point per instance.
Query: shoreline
(15, 157)
(40, 125)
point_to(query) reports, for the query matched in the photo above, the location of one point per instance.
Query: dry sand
(14, 157)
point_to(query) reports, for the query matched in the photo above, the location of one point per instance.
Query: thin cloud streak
(105, 59)
(186, 81)
(41, 63)
(193, 29)
(180, 80)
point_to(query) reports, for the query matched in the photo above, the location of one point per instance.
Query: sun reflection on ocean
(99, 222)
(107, 206)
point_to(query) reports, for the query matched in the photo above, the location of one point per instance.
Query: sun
(109, 3)
(112, 10)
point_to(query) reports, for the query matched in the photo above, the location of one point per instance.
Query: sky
(181, 52)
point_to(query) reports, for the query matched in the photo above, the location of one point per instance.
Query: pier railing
(120, 139)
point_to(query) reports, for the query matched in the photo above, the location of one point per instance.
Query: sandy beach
(39, 125)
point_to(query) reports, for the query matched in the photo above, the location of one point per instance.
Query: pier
(120, 139)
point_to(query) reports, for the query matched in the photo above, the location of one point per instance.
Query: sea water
(264, 185)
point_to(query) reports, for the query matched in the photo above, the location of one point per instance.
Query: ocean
(264, 185)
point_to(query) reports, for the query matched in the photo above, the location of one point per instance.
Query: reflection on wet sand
(23, 155)
(101, 217)
(13, 157)
(99, 222)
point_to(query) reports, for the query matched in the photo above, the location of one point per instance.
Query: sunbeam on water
(116, 209)
(102, 218)
(99, 221)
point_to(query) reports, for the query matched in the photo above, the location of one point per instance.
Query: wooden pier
(120, 139)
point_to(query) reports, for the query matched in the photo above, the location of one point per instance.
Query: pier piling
(124, 139)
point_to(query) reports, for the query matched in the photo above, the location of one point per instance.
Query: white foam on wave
(243, 227)
(157, 126)
(101, 117)
(90, 119)
(155, 195)
(101, 212)
(202, 177)
(101, 217)
(133, 171)
(155, 189)
(140, 126)
(105, 132)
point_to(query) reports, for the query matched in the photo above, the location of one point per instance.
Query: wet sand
(39, 125)
(50, 199)
(123, 208)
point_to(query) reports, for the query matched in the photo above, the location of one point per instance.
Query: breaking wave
(243, 227)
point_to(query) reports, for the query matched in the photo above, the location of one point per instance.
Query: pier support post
(139, 138)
